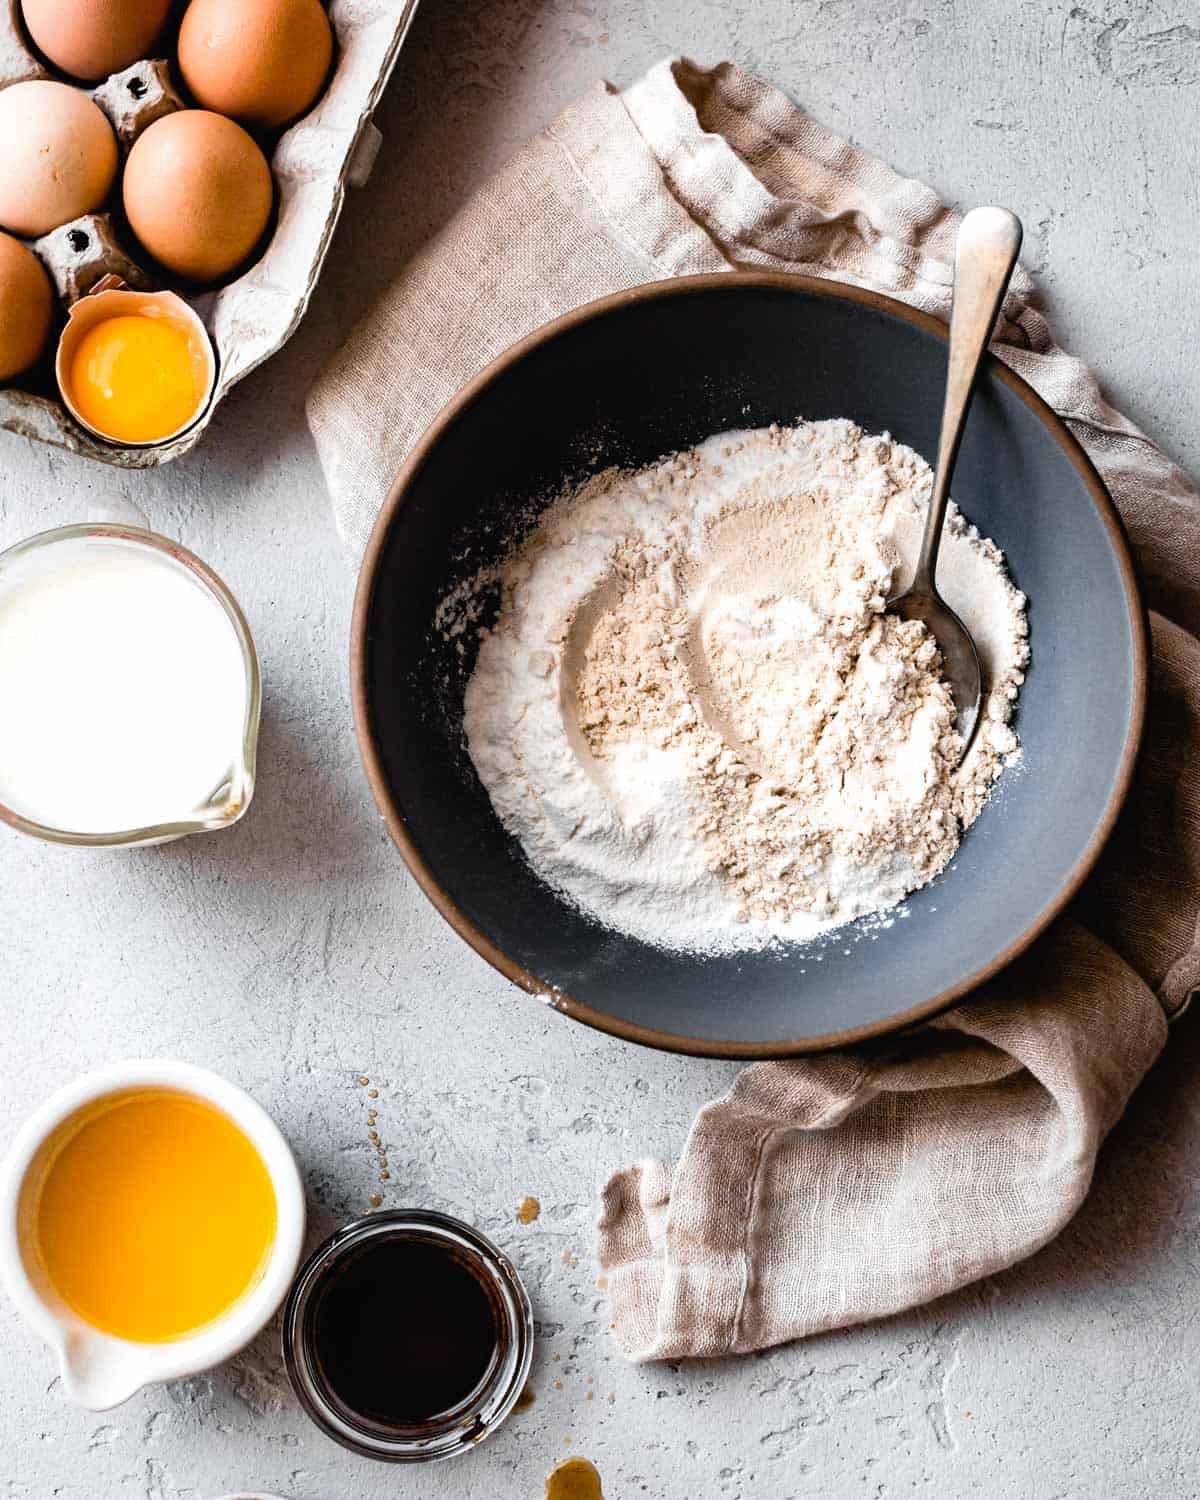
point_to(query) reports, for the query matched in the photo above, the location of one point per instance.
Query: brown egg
(197, 193)
(93, 38)
(58, 156)
(26, 307)
(261, 61)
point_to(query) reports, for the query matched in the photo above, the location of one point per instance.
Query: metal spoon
(984, 255)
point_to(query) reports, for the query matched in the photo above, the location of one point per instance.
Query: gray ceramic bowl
(637, 375)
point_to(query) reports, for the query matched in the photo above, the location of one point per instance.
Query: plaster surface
(293, 954)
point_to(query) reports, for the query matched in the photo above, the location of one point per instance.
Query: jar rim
(488, 1406)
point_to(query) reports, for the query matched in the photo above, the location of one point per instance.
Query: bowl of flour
(636, 715)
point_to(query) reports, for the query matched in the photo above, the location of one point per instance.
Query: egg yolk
(137, 377)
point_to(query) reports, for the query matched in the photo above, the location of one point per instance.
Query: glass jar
(459, 1427)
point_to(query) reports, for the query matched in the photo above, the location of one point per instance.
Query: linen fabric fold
(824, 1192)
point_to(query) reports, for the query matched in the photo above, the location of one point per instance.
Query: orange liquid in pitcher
(155, 1216)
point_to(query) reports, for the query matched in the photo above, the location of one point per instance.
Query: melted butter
(156, 1215)
(528, 1210)
(574, 1479)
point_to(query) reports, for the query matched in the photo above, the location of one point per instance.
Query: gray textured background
(292, 953)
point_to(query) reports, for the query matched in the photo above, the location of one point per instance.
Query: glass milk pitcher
(129, 689)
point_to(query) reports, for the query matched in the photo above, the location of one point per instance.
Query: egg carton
(327, 150)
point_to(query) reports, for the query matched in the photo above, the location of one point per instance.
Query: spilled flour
(696, 717)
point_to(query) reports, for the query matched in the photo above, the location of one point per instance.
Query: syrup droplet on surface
(574, 1479)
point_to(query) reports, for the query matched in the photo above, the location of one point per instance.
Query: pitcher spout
(99, 1372)
(232, 797)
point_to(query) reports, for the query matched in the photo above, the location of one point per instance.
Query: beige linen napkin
(825, 1192)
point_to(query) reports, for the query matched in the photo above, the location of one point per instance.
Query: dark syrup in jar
(404, 1332)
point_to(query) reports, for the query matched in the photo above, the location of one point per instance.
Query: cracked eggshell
(111, 302)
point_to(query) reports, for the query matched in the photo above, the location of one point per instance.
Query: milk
(124, 690)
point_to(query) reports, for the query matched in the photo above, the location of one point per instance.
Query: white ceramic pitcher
(98, 1370)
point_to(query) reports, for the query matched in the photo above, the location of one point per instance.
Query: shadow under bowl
(624, 381)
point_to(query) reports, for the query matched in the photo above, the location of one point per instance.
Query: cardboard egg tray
(313, 162)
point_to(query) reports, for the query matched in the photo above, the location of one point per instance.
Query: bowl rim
(630, 1031)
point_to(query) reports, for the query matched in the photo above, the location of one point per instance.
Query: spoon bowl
(960, 660)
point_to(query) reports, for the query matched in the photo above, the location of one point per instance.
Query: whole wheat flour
(697, 718)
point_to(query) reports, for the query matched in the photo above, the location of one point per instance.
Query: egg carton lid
(313, 162)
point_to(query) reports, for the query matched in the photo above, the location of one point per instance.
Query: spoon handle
(984, 256)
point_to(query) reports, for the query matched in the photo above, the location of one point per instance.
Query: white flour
(696, 717)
